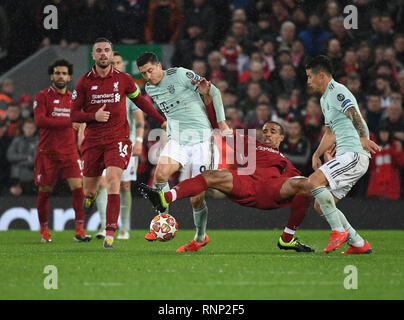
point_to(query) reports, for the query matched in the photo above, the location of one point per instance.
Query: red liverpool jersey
(92, 92)
(52, 115)
(267, 157)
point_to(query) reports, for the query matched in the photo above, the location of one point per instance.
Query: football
(164, 226)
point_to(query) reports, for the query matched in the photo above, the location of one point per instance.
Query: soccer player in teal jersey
(345, 128)
(190, 138)
(136, 129)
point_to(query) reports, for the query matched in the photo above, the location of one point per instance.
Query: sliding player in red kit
(57, 148)
(99, 100)
(274, 183)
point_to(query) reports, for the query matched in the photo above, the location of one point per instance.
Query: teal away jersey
(336, 100)
(178, 98)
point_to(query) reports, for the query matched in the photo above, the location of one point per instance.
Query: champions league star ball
(164, 226)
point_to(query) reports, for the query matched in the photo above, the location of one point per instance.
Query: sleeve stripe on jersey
(133, 95)
(347, 107)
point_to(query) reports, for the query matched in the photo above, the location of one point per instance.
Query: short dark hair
(147, 57)
(117, 54)
(320, 63)
(281, 128)
(61, 63)
(102, 39)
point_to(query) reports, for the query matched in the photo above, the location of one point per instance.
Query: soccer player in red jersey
(57, 147)
(275, 183)
(99, 100)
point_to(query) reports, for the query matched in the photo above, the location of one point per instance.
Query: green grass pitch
(234, 265)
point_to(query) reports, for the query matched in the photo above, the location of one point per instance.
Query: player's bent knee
(317, 179)
(198, 200)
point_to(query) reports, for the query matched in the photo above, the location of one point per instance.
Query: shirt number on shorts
(123, 149)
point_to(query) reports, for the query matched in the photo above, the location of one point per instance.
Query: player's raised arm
(205, 89)
(191, 81)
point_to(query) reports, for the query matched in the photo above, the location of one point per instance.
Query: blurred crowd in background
(253, 51)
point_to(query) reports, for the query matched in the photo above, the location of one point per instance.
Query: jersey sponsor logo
(340, 97)
(117, 97)
(171, 89)
(105, 98)
(345, 103)
(269, 149)
(74, 94)
(60, 112)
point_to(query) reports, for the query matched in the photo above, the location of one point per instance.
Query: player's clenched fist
(101, 115)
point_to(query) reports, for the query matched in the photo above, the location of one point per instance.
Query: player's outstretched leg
(156, 196)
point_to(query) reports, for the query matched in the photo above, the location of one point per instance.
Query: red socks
(113, 207)
(78, 198)
(298, 210)
(187, 188)
(43, 208)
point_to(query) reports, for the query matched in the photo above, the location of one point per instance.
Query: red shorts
(99, 156)
(48, 167)
(258, 191)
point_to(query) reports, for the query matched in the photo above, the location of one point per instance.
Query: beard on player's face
(103, 64)
(60, 84)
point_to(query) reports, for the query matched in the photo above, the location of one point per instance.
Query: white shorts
(200, 156)
(344, 171)
(130, 173)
